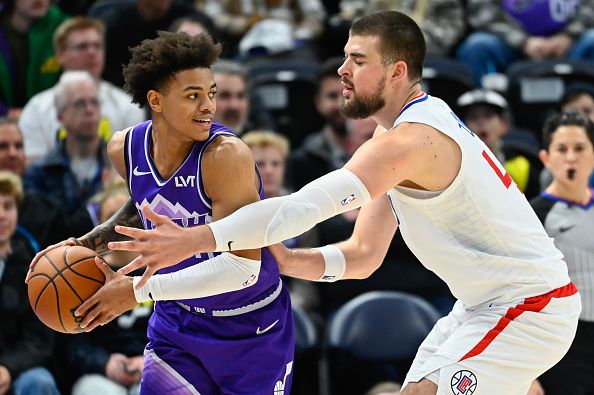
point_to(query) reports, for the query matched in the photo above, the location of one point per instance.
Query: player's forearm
(98, 238)
(306, 264)
(314, 265)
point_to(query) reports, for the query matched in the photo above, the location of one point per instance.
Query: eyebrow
(198, 88)
(355, 55)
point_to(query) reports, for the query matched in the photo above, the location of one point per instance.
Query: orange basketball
(60, 282)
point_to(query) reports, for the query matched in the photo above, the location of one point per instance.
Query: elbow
(368, 266)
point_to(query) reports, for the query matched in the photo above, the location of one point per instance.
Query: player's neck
(577, 194)
(395, 102)
(167, 151)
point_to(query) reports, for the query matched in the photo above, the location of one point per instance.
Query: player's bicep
(383, 162)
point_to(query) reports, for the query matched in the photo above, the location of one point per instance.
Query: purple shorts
(195, 353)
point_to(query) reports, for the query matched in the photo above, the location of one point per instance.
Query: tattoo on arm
(98, 238)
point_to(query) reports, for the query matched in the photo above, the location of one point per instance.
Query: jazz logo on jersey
(181, 181)
(463, 382)
(348, 199)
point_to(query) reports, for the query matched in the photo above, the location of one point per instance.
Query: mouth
(205, 122)
(570, 174)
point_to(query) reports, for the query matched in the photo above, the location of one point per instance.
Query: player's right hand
(70, 242)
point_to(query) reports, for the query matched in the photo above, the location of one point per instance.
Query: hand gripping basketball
(68, 242)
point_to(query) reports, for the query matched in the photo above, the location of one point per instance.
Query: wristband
(334, 263)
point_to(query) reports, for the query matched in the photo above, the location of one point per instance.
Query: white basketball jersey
(480, 234)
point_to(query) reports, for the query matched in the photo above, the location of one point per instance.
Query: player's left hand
(165, 245)
(115, 297)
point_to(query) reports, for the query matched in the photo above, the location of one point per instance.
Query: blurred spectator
(486, 113)
(109, 360)
(79, 45)
(579, 97)
(325, 150)
(41, 221)
(266, 27)
(442, 21)
(270, 152)
(73, 170)
(359, 131)
(25, 343)
(540, 29)
(233, 105)
(193, 24)
(27, 61)
(566, 209)
(131, 24)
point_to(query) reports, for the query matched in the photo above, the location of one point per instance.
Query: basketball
(60, 282)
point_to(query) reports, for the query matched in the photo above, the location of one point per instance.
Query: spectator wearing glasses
(79, 44)
(75, 169)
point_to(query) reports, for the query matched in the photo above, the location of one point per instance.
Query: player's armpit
(98, 238)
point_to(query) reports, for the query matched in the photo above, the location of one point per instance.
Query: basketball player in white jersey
(460, 213)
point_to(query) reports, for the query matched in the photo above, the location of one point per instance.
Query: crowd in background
(62, 97)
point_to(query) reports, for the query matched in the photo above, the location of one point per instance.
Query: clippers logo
(347, 200)
(463, 382)
(252, 279)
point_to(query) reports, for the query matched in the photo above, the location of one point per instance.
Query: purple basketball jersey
(182, 198)
(541, 17)
(239, 342)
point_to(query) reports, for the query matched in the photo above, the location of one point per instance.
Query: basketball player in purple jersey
(233, 332)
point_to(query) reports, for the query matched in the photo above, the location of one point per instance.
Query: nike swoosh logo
(269, 327)
(136, 172)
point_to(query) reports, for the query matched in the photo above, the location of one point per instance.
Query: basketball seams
(73, 287)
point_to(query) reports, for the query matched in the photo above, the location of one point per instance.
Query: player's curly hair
(154, 62)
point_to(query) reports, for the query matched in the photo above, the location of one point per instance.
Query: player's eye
(193, 96)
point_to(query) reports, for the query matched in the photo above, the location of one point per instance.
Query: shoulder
(117, 141)
(226, 147)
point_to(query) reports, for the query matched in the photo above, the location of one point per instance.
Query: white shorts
(499, 349)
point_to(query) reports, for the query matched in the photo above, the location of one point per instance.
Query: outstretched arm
(410, 152)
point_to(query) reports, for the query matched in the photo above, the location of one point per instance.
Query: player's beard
(364, 107)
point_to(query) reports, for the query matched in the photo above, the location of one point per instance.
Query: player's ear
(543, 155)
(154, 100)
(398, 70)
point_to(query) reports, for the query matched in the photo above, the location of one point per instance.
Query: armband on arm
(334, 263)
(273, 220)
